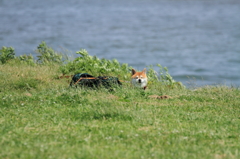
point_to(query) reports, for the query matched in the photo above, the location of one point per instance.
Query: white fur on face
(139, 82)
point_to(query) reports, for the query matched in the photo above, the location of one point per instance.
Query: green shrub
(47, 54)
(95, 66)
(163, 77)
(28, 59)
(6, 53)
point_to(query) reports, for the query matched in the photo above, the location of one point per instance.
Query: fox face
(139, 79)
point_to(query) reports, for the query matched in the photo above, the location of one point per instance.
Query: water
(199, 41)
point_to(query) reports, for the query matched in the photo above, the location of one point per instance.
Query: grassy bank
(41, 117)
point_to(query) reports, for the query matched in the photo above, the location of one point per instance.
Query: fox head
(139, 79)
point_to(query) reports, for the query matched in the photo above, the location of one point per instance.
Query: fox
(139, 79)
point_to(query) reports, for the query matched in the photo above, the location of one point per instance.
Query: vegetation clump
(6, 54)
(47, 54)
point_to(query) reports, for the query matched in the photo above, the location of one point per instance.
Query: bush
(6, 54)
(47, 54)
(163, 76)
(27, 59)
(95, 66)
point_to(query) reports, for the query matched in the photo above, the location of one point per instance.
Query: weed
(28, 59)
(47, 54)
(6, 54)
(95, 66)
(163, 78)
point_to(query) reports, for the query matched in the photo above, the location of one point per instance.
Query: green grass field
(41, 117)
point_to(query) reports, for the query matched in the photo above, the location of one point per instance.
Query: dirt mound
(159, 97)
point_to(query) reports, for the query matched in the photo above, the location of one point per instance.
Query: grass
(41, 117)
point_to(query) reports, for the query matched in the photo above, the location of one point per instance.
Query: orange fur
(139, 79)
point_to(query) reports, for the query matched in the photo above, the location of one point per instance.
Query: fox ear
(133, 71)
(144, 70)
